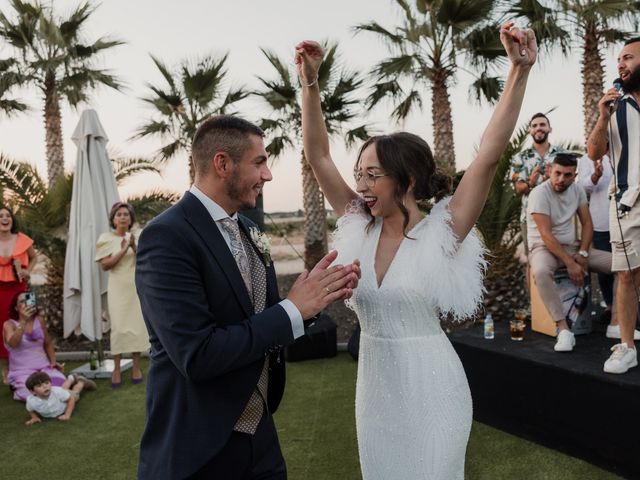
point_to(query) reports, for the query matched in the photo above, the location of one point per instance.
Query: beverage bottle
(93, 361)
(488, 327)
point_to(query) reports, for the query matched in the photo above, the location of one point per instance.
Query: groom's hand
(313, 291)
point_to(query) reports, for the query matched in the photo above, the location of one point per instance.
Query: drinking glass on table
(516, 326)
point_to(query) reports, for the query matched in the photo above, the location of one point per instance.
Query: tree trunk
(53, 130)
(315, 217)
(592, 78)
(444, 151)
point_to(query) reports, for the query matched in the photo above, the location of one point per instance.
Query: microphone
(617, 84)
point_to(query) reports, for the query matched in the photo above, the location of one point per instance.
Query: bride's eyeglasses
(369, 177)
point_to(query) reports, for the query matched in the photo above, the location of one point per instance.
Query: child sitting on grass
(49, 401)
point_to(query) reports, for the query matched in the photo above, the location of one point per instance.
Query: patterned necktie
(254, 275)
(239, 255)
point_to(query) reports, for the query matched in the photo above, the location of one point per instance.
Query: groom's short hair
(224, 133)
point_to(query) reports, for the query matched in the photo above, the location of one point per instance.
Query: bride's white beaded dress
(413, 405)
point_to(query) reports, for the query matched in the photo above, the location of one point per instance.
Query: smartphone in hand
(30, 299)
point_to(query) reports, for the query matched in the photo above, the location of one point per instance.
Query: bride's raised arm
(471, 194)
(309, 56)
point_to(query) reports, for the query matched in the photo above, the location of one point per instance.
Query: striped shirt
(626, 150)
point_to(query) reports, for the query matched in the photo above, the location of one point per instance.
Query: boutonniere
(263, 243)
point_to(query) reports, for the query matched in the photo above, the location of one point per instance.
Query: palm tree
(192, 94)
(284, 128)
(426, 51)
(10, 78)
(54, 57)
(596, 24)
(43, 214)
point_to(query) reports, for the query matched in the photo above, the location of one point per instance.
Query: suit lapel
(198, 217)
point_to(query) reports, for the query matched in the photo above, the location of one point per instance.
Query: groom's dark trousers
(208, 349)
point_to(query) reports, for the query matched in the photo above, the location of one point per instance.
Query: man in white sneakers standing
(620, 115)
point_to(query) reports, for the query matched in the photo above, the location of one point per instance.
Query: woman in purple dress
(29, 345)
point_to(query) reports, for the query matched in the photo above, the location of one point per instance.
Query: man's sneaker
(622, 359)
(565, 341)
(613, 331)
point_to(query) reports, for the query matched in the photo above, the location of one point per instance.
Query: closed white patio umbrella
(94, 192)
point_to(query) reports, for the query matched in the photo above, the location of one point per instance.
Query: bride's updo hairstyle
(406, 157)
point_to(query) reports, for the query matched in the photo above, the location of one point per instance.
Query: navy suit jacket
(207, 345)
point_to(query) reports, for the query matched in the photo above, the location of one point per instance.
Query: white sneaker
(622, 359)
(565, 342)
(613, 331)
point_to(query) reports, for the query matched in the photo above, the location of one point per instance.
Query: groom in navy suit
(216, 323)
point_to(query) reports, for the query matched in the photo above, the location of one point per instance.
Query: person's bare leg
(627, 305)
(4, 367)
(136, 371)
(116, 376)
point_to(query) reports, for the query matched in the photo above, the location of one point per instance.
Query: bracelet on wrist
(310, 84)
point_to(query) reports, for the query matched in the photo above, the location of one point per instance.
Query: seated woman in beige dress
(116, 252)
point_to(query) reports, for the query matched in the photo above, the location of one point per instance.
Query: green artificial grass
(315, 423)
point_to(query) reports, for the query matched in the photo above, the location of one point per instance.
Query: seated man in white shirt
(552, 240)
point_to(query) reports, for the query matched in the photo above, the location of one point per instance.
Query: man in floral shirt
(531, 166)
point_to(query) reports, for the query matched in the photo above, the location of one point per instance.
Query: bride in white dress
(413, 405)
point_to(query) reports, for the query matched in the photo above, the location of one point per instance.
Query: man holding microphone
(618, 127)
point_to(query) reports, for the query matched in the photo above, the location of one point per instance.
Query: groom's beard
(242, 192)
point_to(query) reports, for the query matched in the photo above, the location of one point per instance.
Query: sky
(189, 29)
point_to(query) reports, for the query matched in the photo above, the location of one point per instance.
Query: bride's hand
(521, 46)
(309, 55)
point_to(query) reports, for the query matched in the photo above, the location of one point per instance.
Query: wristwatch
(583, 253)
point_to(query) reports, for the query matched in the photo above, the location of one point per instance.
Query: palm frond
(201, 84)
(278, 145)
(164, 71)
(380, 90)
(124, 168)
(169, 150)
(152, 204)
(353, 135)
(411, 101)
(395, 66)
(374, 27)
(486, 88)
(233, 96)
(75, 85)
(21, 180)
(463, 14)
(152, 128)
(482, 46)
(279, 65)
(544, 22)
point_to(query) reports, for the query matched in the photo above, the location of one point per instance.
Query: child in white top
(48, 401)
